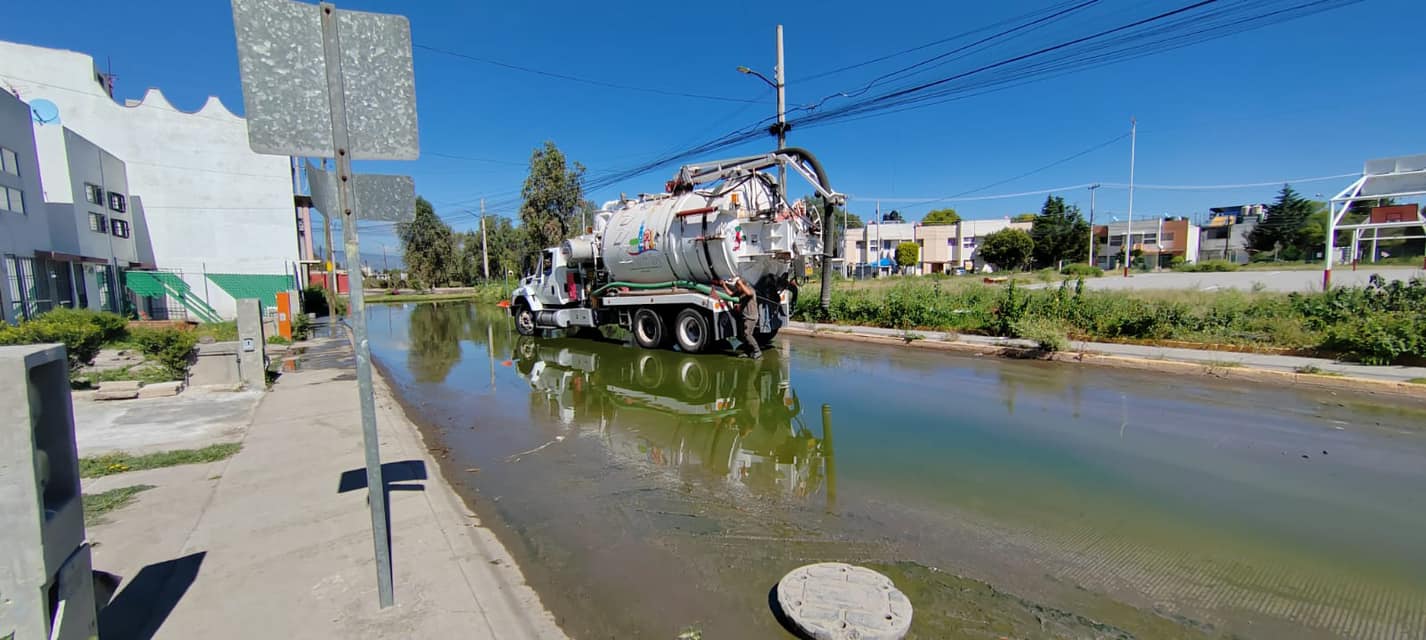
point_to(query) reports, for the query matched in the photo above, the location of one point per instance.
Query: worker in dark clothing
(748, 307)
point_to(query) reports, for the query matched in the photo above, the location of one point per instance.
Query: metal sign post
(316, 81)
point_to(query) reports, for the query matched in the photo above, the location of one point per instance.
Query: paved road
(1246, 280)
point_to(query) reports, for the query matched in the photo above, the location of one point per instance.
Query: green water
(646, 493)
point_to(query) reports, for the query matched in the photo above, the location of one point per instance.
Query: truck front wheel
(525, 320)
(649, 329)
(691, 329)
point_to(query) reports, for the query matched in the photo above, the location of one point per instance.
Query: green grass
(478, 293)
(142, 373)
(1312, 369)
(98, 505)
(120, 462)
(218, 331)
(1417, 381)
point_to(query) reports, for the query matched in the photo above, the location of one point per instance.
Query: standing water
(647, 494)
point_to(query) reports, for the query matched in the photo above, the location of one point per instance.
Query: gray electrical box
(46, 583)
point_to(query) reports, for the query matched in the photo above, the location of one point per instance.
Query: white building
(943, 248)
(211, 205)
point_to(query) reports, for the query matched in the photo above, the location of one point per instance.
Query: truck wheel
(691, 329)
(525, 321)
(649, 329)
(764, 338)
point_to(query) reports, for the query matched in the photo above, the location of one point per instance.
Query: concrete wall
(209, 201)
(20, 235)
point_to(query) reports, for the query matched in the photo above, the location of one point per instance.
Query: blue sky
(1311, 97)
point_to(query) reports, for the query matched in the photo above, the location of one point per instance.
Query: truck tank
(701, 236)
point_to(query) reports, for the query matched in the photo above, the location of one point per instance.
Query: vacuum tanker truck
(653, 264)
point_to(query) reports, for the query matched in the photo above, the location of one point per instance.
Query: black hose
(826, 302)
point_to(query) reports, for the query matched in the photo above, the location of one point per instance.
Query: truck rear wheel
(525, 320)
(649, 329)
(692, 331)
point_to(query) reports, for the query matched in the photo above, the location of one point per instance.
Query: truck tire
(649, 328)
(525, 320)
(692, 330)
(764, 338)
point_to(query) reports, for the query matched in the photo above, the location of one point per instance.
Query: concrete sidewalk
(1265, 362)
(264, 545)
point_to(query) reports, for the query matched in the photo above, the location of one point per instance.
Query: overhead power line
(1107, 185)
(588, 81)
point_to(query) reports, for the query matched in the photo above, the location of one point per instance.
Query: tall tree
(428, 246)
(1023, 217)
(941, 217)
(1282, 230)
(1007, 249)
(553, 194)
(894, 216)
(1060, 234)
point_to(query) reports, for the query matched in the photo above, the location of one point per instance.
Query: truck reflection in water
(732, 420)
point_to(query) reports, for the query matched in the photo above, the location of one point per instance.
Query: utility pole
(385, 264)
(1092, 189)
(781, 72)
(331, 255)
(1129, 226)
(484, 251)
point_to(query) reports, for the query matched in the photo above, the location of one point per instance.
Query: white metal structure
(1399, 177)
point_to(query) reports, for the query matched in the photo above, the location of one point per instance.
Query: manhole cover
(837, 601)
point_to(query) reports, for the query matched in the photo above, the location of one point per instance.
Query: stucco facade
(21, 234)
(208, 204)
(943, 248)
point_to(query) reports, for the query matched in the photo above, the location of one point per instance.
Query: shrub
(172, 348)
(314, 300)
(1082, 270)
(81, 332)
(1380, 338)
(1048, 334)
(1215, 266)
(1010, 310)
(301, 327)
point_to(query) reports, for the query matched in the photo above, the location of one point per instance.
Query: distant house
(1225, 237)
(1159, 240)
(944, 248)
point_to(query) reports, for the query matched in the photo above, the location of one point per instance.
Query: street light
(780, 128)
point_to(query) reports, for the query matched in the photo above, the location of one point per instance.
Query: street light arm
(747, 71)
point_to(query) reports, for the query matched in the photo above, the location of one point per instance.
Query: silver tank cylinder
(699, 238)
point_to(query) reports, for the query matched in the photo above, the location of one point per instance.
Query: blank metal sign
(378, 197)
(281, 59)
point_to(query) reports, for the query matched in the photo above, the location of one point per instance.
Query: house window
(120, 228)
(94, 194)
(12, 199)
(116, 201)
(1150, 238)
(968, 242)
(97, 222)
(9, 162)
(1116, 241)
(1168, 236)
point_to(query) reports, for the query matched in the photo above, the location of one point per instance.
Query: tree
(894, 216)
(1060, 234)
(1023, 217)
(854, 221)
(552, 197)
(941, 217)
(1007, 249)
(908, 254)
(1282, 230)
(428, 246)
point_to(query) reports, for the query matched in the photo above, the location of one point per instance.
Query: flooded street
(649, 493)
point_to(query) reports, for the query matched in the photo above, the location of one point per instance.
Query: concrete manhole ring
(838, 601)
